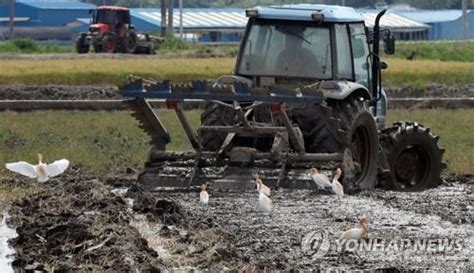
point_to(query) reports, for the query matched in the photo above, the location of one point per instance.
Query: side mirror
(389, 44)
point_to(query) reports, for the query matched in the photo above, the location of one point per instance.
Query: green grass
(99, 141)
(105, 142)
(22, 46)
(423, 72)
(441, 51)
(455, 130)
(110, 71)
(114, 71)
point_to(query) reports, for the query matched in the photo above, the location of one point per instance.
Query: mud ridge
(81, 224)
(78, 226)
(64, 92)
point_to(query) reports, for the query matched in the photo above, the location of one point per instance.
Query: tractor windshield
(109, 16)
(286, 49)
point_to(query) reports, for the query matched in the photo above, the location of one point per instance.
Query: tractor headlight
(251, 13)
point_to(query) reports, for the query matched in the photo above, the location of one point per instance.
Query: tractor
(111, 31)
(306, 91)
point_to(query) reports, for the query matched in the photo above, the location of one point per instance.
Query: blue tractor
(306, 91)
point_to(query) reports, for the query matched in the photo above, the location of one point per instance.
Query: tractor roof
(303, 12)
(113, 8)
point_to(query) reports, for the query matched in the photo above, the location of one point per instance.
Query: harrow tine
(194, 172)
(282, 174)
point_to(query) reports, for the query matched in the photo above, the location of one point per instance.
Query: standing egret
(320, 179)
(356, 234)
(337, 187)
(260, 186)
(204, 196)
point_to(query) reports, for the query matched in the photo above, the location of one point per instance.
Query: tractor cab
(110, 31)
(110, 19)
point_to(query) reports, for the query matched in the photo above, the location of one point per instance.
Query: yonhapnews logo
(317, 244)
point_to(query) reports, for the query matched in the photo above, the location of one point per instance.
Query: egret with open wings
(42, 172)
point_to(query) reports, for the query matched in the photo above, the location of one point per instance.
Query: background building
(64, 19)
(44, 19)
(444, 24)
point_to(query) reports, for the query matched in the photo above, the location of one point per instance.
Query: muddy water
(6, 233)
(82, 224)
(274, 241)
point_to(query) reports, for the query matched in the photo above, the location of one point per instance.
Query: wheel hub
(406, 167)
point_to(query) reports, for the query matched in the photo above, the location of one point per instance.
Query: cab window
(360, 51)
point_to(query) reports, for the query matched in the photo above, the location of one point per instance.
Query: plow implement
(258, 138)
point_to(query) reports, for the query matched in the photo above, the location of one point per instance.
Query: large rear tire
(346, 125)
(129, 42)
(214, 115)
(414, 157)
(218, 115)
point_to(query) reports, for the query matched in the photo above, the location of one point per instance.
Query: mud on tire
(349, 124)
(414, 156)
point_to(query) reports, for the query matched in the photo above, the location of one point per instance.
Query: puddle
(6, 233)
(149, 231)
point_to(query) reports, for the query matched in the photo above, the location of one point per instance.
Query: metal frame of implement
(139, 90)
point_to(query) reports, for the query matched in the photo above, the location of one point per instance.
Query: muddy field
(63, 92)
(79, 222)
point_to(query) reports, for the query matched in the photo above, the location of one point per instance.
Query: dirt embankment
(203, 52)
(58, 92)
(63, 92)
(432, 91)
(79, 223)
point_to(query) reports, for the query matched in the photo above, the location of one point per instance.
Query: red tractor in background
(111, 31)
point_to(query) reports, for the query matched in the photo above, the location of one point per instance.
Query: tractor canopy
(111, 15)
(304, 42)
(307, 12)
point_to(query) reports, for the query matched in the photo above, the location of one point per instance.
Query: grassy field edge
(416, 74)
(106, 142)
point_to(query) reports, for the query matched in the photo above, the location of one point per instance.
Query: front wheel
(82, 46)
(414, 157)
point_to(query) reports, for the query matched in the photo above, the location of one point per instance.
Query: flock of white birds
(42, 172)
(322, 182)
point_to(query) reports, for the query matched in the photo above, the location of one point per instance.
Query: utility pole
(163, 17)
(465, 24)
(181, 32)
(170, 16)
(12, 19)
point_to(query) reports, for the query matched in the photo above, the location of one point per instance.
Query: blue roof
(303, 12)
(196, 17)
(432, 16)
(56, 4)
